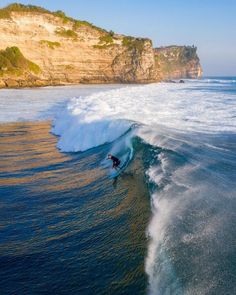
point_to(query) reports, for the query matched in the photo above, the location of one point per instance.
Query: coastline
(41, 85)
(99, 83)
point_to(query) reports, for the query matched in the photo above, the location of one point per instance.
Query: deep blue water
(65, 227)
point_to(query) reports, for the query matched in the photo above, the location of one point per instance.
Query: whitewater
(189, 131)
(99, 118)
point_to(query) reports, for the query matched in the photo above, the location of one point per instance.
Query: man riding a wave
(116, 161)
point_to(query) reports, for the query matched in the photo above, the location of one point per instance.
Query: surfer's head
(109, 156)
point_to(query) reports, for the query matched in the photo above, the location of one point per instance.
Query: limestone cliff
(175, 62)
(68, 51)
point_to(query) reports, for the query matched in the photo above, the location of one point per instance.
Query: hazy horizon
(209, 25)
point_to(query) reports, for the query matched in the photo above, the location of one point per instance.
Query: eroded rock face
(176, 62)
(71, 52)
(135, 65)
(80, 58)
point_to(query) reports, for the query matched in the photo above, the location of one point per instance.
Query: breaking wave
(102, 117)
(191, 131)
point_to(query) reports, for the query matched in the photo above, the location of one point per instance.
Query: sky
(208, 24)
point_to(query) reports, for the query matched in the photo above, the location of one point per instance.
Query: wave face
(190, 130)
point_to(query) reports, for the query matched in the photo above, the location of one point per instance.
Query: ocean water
(165, 226)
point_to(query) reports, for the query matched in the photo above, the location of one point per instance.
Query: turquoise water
(165, 226)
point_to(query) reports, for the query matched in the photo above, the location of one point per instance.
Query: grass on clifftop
(12, 61)
(105, 41)
(17, 7)
(134, 43)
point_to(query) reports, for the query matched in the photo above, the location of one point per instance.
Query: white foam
(41, 103)
(102, 117)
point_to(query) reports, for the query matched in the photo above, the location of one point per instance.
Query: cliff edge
(39, 47)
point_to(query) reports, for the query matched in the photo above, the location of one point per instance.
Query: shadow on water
(66, 228)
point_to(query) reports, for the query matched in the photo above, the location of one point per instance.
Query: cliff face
(74, 52)
(175, 62)
(68, 51)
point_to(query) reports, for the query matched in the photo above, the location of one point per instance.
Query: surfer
(116, 161)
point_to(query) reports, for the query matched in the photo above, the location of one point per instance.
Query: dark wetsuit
(116, 162)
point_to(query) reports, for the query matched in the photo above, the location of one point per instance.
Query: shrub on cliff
(105, 41)
(133, 43)
(62, 15)
(50, 44)
(66, 33)
(189, 52)
(13, 61)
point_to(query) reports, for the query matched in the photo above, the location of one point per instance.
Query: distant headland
(39, 48)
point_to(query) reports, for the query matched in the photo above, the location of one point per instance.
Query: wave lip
(81, 137)
(102, 117)
(81, 128)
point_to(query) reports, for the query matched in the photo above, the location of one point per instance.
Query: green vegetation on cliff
(12, 61)
(62, 15)
(105, 41)
(108, 39)
(66, 33)
(134, 43)
(17, 7)
(78, 23)
(50, 44)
